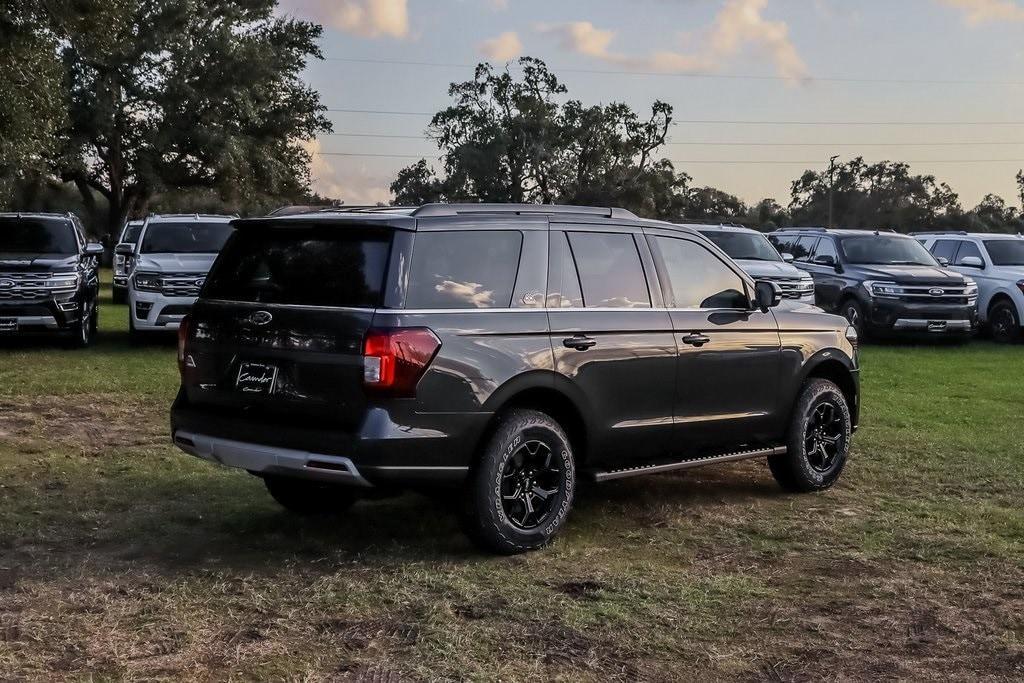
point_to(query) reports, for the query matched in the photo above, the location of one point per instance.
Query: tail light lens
(183, 330)
(394, 360)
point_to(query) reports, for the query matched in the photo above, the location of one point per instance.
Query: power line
(712, 161)
(695, 75)
(702, 143)
(740, 122)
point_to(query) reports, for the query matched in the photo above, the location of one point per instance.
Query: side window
(826, 247)
(945, 249)
(698, 278)
(463, 269)
(563, 280)
(610, 270)
(802, 248)
(967, 249)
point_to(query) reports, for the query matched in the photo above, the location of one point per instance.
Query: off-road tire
(797, 470)
(305, 497)
(488, 517)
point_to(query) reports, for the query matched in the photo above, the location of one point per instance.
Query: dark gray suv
(504, 350)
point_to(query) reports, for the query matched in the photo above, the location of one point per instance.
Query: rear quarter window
(464, 269)
(342, 267)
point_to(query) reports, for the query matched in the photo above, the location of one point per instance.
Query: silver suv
(168, 267)
(996, 262)
(759, 259)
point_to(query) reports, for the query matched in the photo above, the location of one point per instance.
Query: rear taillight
(183, 330)
(395, 359)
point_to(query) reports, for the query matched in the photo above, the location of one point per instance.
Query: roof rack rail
(435, 210)
(792, 228)
(939, 232)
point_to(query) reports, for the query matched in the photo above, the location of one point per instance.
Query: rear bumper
(260, 459)
(388, 447)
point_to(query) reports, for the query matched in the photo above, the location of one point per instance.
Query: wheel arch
(997, 297)
(550, 393)
(837, 368)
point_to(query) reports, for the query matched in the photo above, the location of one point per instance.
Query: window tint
(826, 247)
(748, 246)
(1006, 252)
(886, 250)
(610, 270)
(301, 266)
(967, 249)
(945, 249)
(186, 237)
(803, 247)
(783, 243)
(37, 236)
(698, 278)
(563, 280)
(463, 269)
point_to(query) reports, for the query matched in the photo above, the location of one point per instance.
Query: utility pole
(831, 186)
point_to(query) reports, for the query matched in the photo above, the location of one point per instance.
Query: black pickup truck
(49, 278)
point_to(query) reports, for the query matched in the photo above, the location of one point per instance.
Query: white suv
(996, 262)
(168, 267)
(759, 259)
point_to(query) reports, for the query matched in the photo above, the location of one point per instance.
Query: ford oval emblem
(261, 318)
(936, 292)
(6, 284)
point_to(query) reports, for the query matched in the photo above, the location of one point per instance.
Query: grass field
(121, 558)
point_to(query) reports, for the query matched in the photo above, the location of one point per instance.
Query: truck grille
(181, 284)
(27, 287)
(937, 294)
(793, 289)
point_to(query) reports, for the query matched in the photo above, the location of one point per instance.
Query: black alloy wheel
(823, 436)
(1003, 322)
(530, 484)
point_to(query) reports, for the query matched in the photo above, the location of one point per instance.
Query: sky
(762, 89)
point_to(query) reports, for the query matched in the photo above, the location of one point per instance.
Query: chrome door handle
(579, 342)
(696, 339)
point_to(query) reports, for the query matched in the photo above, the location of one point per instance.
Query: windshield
(301, 266)
(37, 236)
(743, 245)
(1006, 252)
(885, 250)
(185, 237)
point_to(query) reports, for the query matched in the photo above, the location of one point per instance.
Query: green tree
(33, 109)
(993, 214)
(168, 94)
(882, 195)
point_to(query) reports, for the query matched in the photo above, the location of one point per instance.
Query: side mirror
(943, 261)
(972, 262)
(787, 257)
(94, 249)
(766, 295)
(124, 249)
(825, 260)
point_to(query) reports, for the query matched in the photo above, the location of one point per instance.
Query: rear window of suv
(301, 267)
(37, 236)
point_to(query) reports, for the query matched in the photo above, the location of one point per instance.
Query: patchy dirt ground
(123, 559)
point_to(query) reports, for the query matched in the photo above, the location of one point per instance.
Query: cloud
(367, 18)
(737, 26)
(981, 11)
(355, 186)
(498, 5)
(501, 48)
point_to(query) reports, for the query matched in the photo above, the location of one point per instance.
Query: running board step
(687, 464)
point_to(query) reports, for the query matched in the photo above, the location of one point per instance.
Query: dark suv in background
(503, 350)
(49, 280)
(883, 283)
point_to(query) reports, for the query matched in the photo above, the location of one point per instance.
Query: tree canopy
(167, 94)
